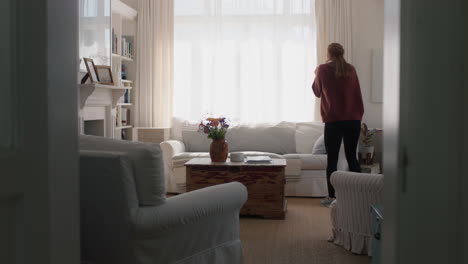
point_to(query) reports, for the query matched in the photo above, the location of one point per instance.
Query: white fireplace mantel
(86, 90)
(98, 103)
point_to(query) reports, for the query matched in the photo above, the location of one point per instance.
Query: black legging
(334, 133)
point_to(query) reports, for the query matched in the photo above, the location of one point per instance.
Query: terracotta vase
(219, 150)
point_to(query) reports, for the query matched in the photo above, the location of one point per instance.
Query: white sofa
(126, 217)
(351, 215)
(305, 172)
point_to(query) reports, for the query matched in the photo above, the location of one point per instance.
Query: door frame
(39, 183)
(414, 95)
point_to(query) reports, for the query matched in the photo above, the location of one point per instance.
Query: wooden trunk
(265, 184)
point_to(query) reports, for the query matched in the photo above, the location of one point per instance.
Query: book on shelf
(114, 41)
(127, 98)
(117, 117)
(127, 46)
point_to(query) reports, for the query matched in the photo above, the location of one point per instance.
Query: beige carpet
(300, 238)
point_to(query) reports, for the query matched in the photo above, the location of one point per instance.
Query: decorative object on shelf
(92, 72)
(366, 149)
(124, 72)
(105, 74)
(127, 83)
(216, 129)
(124, 117)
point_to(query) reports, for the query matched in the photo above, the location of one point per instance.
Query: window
(249, 60)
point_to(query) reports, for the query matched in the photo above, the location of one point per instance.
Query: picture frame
(92, 72)
(105, 74)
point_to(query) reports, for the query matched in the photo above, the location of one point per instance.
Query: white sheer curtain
(249, 60)
(334, 24)
(155, 43)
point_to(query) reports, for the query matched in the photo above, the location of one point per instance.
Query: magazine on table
(257, 159)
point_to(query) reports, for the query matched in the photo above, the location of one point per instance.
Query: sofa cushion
(147, 165)
(178, 125)
(309, 161)
(307, 133)
(196, 141)
(274, 139)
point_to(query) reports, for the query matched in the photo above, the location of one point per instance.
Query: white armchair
(351, 215)
(196, 227)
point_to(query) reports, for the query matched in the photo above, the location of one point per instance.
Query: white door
(426, 133)
(39, 209)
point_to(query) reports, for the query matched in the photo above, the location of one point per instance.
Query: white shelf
(125, 104)
(124, 10)
(123, 127)
(124, 58)
(104, 86)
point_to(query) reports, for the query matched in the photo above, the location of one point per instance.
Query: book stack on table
(257, 159)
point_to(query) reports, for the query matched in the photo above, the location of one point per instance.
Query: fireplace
(94, 127)
(98, 109)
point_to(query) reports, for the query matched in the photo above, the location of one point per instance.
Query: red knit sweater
(341, 99)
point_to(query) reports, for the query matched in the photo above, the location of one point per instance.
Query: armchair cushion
(147, 166)
(191, 207)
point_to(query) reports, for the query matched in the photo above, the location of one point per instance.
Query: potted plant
(366, 148)
(216, 129)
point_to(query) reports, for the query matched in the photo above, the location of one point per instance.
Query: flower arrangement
(367, 136)
(215, 128)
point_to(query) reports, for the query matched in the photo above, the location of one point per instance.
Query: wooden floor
(300, 238)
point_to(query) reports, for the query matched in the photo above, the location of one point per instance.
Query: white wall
(368, 33)
(132, 3)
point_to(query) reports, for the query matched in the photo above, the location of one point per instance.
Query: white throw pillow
(179, 125)
(319, 146)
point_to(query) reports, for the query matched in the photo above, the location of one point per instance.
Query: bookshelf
(123, 63)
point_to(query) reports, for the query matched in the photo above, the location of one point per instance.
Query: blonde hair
(335, 54)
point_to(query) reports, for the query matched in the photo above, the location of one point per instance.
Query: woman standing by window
(337, 84)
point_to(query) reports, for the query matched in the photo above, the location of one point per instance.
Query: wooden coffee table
(264, 182)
